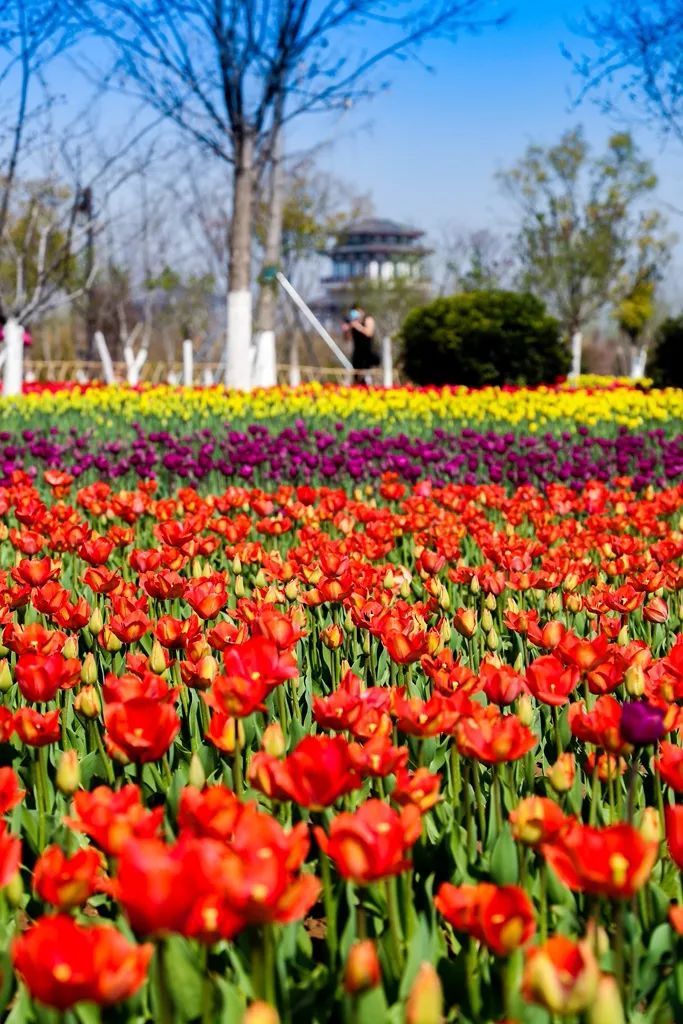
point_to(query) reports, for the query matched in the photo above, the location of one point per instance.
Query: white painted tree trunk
(134, 363)
(105, 357)
(188, 363)
(14, 362)
(294, 370)
(577, 345)
(638, 361)
(265, 368)
(238, 353)
(387, 363)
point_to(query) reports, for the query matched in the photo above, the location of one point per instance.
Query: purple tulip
(641, 723)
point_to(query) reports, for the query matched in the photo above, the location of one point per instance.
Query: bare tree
(232, 73)
(638, 51)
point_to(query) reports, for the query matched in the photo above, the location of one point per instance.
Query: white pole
(387, 362)
(294, 371)
(188, 369)
(14, 364)
(105, 358)
(238, 348)
(577, 343)
(313, 320)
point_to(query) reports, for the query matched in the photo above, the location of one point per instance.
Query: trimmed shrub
(483, 337)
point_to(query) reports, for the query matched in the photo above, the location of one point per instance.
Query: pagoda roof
(379, 226)
(380, 248)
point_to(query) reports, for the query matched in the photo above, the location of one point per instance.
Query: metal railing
(171, 372)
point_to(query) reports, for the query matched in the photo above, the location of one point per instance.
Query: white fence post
(387, 362)
(14, 362)
(188, 365)
(105, 357)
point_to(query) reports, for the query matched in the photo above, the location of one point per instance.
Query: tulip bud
(607, 1007)
(444, 599)
(70, 648)
(111, 642)
(261, 1013)
(157, 659)
(291, 589)
(260, 580)
(237, 565)
(366, 643)
(425, 1000)
(597, 938)
(465, 621)
(634, 680)
(5, 676)
(553, 602)
(492, 640)
(491, 602)
(196, 775)
(622, 637)
(14, 890)
(87, 702)
(96, 622)
(197, 569)
(357, 494)
(518, 665)
(445, 632)
(486, 620)
(68, 773)
(362, 971)
(389, 582)
(475, 585)
(656, 611)
(650, 826)
(561, 774)
(239, 587)
(573, 603)
(404, 590)
(89, 669)
(273, 740)
(332, 636)
(525, 709)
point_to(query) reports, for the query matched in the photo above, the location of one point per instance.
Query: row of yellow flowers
(532, 408)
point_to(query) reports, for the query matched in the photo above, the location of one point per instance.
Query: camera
(354, 314)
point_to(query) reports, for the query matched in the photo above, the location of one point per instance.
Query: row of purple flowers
(303, 454)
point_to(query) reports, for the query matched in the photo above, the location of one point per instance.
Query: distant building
(372, 251)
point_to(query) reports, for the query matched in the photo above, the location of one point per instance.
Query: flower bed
(380, 756)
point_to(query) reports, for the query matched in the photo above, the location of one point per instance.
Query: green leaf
(182, 976)
(504, 861)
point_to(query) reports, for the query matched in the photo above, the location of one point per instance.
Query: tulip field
(341, 705)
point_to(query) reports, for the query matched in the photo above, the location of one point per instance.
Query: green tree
(483, 337)
(634, 314)
(665, 362)
(584, 235)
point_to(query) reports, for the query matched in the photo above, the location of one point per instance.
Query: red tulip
(615, 861)
(63, 963)
(501, 917)
(142, 729)
(314, 775)
(112, 818)
(67, 881)
(372, 842)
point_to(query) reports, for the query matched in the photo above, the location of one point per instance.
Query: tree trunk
(14, 361)
(638, 361)
(264, 370)
(238, 342)
(577, 345)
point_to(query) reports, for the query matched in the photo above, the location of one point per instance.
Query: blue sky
(429, 148)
